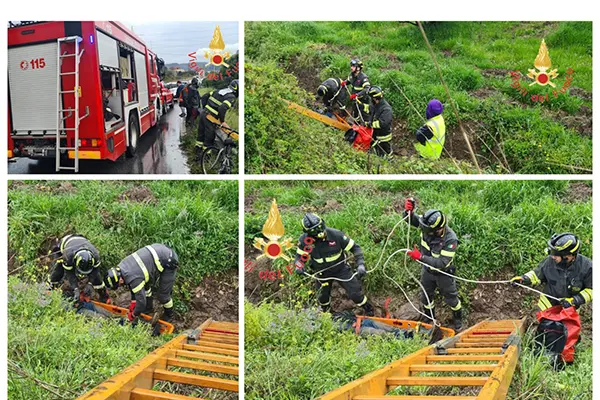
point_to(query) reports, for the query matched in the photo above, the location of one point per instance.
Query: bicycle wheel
(211, 160)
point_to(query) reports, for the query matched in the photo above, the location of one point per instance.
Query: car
(166, 98)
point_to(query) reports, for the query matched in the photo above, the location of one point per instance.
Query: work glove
(300, 271)
(451, 270)
(76, 295)
(343, 83)
(523, 280)
(368, 124)
(132, 305)
(409, 204)
(131, 317)
(414, 254)
(566, 303)
(361, 271)
(156, 330)
(353, 97)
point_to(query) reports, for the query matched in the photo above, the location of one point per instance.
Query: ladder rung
(67, 91)
(480, 344)
(197, 380)
(458, 357)
(436, 381)
(67, 129)
(69, 168)
(66, 109)
(209, 349)
(202, 366)
(484, 339)
(210, 343)
(452, 367)
(207, 356)
(475, 350)
(67, 55)
(66, 148)
(415, 397)
(67, 73)
(146, 394)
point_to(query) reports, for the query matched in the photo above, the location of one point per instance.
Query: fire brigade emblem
(273, 230)
(217, 56)
(24, 65)
(542, 74)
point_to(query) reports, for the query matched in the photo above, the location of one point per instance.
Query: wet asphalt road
(158, 153)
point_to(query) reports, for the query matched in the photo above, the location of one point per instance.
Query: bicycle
(218, 159)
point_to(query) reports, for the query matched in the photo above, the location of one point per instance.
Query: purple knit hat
(434, 108)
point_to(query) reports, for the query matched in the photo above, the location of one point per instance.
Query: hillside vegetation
(503, 228)
(70, 354)
(510, 132)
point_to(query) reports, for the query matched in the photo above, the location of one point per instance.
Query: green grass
(196, 218)
(503, 228)
(64, 349)
(289, 59)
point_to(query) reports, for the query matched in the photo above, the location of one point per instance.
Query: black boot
(368, 310)
(457, 320)
(430, 315)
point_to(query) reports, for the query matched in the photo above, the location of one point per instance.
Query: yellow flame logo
(542, 63)
(273, 230)
(217, 56)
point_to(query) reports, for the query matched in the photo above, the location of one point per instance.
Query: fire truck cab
(79, 90)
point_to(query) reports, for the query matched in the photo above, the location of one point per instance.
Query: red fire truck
(79, 90)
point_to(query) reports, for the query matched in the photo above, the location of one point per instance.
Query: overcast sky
(174, 40)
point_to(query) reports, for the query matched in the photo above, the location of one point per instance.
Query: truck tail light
(90, 142)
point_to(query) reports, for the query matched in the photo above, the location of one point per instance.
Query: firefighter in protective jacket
(437, 249)
(324, 249)
(150, 266)
(332, 93)
(75, 258)
(190, 98)
(565, 274)
(381, 122)
(359, 84)
(216, 103)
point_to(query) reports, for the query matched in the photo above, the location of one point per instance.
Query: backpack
(558, 333)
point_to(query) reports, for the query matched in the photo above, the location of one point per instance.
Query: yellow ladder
(212, 347)
(489, 349)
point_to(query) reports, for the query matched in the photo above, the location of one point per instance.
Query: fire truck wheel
(134, 135)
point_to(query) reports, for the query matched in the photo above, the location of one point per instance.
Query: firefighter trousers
(446, 286)
(206, 130)
(352, 287)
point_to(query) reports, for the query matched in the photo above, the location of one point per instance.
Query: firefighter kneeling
(141, 271)
(566, 275)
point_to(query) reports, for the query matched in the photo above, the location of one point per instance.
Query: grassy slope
(396, 52)
(197, 218)
(503, 227)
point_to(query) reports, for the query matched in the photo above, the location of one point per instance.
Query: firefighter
(359, 85)
(191, 100)
(75, 258)
(432, 135)
(215, 103)
(326, 249)
(150, 266)
(333, 94)
(381, 122)
(179, 97)
(565, 273)
(437, 249)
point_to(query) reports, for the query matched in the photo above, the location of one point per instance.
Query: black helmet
(563, 244)
(313, 225)
(375, 92)
(356, 63)
(173, 260)
(234, 85)
(195, 82)
(321, 90)
(432, 221)
(84, 262)
(112, 278)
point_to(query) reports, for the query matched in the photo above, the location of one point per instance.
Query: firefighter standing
(191, 100)
(143, 270)
(326, 249)
(381, 122)
(180, 87)
(75, 258)
(432, 135)
(359, 85)
(333, 94)
(437, 249)
(215, 103)
(565, 273)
